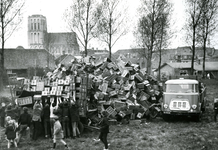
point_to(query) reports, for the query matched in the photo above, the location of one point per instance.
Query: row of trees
(108, 20)
(201, 25)
(154, 27)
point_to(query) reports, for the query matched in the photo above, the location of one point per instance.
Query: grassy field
(178, 134)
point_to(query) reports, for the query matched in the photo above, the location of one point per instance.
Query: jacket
(65, 112)
(37, 114)
(2, 112)
(25, 119)
(74, 113)
(104, 125)
(10, 132)
(46, 112)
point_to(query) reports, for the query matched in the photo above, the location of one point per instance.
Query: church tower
(37, 30)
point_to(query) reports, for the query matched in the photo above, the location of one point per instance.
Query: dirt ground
(178, 134)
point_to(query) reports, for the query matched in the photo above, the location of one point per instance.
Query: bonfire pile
(120, 88)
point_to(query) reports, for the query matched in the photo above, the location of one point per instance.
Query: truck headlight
(194, 106)
(165, 106)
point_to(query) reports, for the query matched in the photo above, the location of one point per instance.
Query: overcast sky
(53, 10)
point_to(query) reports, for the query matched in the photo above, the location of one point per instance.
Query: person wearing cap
(2, 114)
(104, 129)
(58, 132)
(10, 133)
(36, 119)
(24, 122)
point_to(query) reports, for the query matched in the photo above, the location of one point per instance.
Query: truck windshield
(181, 88)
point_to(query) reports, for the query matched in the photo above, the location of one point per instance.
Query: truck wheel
(166, 117)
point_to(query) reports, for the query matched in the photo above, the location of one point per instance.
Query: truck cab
(184, 96)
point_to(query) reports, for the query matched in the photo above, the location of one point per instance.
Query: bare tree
(194, 12)
(82, 18)
(208, 24)
(149, 27)
(113, 22)
(165, 34)
(11, 17)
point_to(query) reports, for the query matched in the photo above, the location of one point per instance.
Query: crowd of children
(59, 119)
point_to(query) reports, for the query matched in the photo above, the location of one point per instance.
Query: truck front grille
(179, 105)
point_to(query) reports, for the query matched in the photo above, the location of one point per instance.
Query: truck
(184, 95)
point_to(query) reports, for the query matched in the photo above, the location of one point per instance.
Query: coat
(74, 113)
(58, 132)
(46, 112)
(2, 112)
(10, 132)
(65, 112)
(104, 125)
(25, 119)
(37, 114)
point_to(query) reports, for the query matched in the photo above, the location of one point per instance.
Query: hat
(25, 109)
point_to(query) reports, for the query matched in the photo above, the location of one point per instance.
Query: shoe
(96, 140)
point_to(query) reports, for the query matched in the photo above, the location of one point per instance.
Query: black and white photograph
(108, 74)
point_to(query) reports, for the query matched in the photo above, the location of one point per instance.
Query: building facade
(55, 43)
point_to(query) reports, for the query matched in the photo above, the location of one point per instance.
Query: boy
(58, 133)
(104, 130)
(10, 133)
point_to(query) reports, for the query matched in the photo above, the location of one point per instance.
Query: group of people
(58, 117)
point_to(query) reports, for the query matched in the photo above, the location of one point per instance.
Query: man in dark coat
(2, 115)
(74, 118)
(46, 120)
(24, 122)
(65, 119)
(104, 129)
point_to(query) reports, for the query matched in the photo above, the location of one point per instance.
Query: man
(2, 115)
(104, 129)
(24, 122)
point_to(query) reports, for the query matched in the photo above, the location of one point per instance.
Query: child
(58, 133)
(104, 130)
(10, 133)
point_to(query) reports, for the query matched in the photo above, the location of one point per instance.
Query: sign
(25, 101)
(39, 86)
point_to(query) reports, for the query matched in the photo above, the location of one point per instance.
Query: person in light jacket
(58, 133)
(36, 119)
